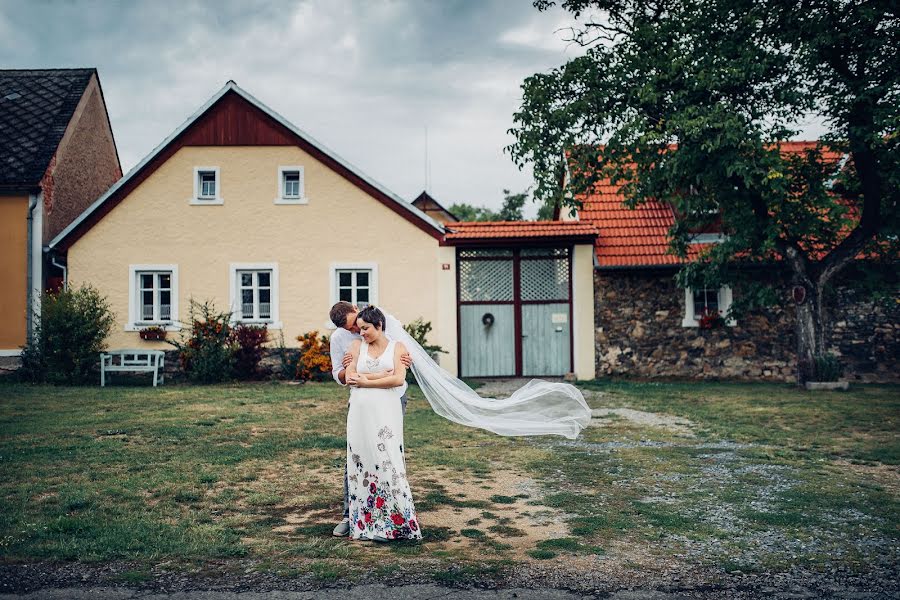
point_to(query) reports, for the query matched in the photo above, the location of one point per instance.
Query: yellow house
(241, 207)
(57, 154)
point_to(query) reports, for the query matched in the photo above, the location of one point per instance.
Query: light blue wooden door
(545, 339)
(488, 350)
(546, 316)
(487, 313)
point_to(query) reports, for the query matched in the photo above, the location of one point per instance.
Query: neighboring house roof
(36, 106)
(490, 232)
(639, 237)
(426, 203)
(274, 130)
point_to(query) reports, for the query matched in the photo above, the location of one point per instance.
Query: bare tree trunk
(810, 334)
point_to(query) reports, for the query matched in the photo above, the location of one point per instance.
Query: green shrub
(828, 368)
(69, 336)
(207, 355)
(419, 330)
(288, 358)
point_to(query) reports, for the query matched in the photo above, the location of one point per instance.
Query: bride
(381, 503)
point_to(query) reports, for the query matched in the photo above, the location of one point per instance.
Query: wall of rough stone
(638, 316)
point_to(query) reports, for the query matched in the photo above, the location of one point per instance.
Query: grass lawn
(723, 476)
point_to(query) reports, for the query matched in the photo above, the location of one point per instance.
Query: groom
(343, 315)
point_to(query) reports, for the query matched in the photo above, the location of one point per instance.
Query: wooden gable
(233, 120)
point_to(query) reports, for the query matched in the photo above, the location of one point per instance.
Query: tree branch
(866, 165)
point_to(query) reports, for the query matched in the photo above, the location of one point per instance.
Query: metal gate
(515, 312)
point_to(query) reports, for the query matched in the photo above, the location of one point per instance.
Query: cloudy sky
(365, 78)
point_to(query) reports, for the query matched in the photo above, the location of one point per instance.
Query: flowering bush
(314, 363)
(711, 319)
(207, 356)
(248, 342)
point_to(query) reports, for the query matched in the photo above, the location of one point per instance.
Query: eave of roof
(436, 229)
(519, 232)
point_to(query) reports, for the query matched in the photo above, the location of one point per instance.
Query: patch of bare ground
(887, 476)
(677, 425)
(503, 508)
(516, 520)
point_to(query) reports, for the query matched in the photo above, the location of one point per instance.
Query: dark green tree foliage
(683, 102)
(69, 336)
(510, 211)
(468, 212)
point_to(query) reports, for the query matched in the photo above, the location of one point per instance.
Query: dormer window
(207, 186)
(290, 186)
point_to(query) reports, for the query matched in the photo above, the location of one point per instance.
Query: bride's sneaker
(342, 529)
(379, 539)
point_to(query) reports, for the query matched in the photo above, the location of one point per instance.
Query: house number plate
(559, 318)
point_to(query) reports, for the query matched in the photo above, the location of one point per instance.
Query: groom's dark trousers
(403, 400)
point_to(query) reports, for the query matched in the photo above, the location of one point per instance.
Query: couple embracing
(370, 353)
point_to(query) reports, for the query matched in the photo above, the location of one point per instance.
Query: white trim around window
(353, 287)
(293, 192)
(135, 320)
(724, 302)
(256, 287)
(201, 199)
(7, 353)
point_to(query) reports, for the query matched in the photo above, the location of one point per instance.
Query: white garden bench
(134, 361)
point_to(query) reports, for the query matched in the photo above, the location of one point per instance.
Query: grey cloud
(363, 77)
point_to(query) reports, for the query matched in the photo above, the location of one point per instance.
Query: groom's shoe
(342, 529)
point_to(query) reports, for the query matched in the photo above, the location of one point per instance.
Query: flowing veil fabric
(537, 408)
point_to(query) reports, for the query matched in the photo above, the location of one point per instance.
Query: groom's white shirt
(340, 343)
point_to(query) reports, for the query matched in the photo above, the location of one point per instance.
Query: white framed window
(700, 300)
(254, 294)
(207, 186)
(152, 297)
(291, 188)
(356, 283)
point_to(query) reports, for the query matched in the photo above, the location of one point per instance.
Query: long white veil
(537, 408)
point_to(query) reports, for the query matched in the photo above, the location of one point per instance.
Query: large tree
(513, 205)
(686, 101)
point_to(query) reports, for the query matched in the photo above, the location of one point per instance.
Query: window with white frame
(255, 289)
(207, 186)
(290, 186)
(701, 301)
(356, 284)
(153, 296)
(254, 297)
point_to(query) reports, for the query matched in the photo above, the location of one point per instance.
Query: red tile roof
(639, 237)
(483, 231)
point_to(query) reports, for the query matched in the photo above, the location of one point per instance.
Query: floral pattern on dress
(387, 508)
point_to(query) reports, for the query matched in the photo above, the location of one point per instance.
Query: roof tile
(35, 108)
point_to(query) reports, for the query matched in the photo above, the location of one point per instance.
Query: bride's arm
(378, 375)
(350, 374)
(396, 378)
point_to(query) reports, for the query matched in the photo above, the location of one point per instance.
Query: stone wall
(638, 314)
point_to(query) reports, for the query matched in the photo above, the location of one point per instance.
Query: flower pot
(153, 336)
(827, 385)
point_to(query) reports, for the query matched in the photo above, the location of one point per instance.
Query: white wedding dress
(381, 502)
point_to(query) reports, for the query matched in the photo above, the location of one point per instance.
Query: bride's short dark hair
(371, 314)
